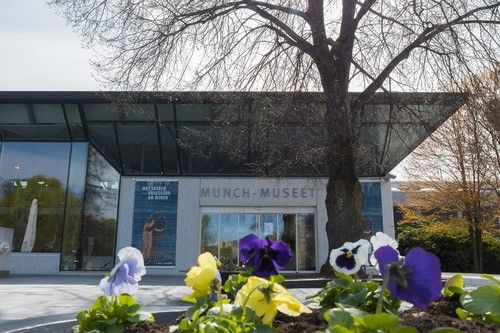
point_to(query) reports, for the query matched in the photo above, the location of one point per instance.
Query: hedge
(450, 243)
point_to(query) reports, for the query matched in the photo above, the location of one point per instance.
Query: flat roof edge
(217, 97)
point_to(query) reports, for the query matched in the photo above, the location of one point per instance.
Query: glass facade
(76, 191)
(221, 232)
(98, 230)
(34, 170)
(372, 210)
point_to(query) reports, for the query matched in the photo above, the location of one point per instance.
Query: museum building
(83, 174)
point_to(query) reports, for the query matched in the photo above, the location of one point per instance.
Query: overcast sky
(38, 51)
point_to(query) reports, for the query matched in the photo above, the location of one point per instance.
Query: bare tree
(329, 46)
(462, 159)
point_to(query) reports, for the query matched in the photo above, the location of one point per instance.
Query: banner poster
(155, 221)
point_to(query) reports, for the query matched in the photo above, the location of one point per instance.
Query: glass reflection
(221, 232)
(34, 170)
(306, 256)
(268, 226)
(70, 252)
(100, 212)
(210, 233)
(286, 227)
(229, 247)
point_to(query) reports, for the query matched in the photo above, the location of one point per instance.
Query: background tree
(462, 163)
(329, 46)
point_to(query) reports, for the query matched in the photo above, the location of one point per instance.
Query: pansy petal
(280, 253)
(425, 270)
(207, 259)
(386, 255)
(266, 268)
(131, 252)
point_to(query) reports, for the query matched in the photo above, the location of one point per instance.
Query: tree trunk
(344, 197)
(479, 249)
(474, 249)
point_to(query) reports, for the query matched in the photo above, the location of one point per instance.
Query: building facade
(110, 170)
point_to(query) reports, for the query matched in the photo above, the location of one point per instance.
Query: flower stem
(380, 301)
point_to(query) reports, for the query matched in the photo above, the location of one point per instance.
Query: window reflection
(229, 246)
(221, 232)
(70, 252)
(100, 212)
(210, 233)
(34, 170)
(306, 258)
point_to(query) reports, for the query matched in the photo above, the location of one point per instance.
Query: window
(222, 229)
(28, 171)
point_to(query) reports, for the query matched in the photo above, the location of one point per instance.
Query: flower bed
(255, 300)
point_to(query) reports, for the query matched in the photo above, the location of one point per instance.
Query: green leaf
(278, 278)
(491, 278)
(340, 329)
(382, 321)
(445, 330)
(344, 277)
(491, 318)
(117, 328)
(403, 329)
(483, 300)
(454, 285)
(264, 329)
(340, 317)
(462, 314)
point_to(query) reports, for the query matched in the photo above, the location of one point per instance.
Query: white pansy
(349, 258)
(378, 240)
(125, 255)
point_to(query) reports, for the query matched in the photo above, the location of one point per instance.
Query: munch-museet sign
(262, 192)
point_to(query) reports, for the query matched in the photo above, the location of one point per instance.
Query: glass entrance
(221, 231)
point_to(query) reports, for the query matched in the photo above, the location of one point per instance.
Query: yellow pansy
(201, 277)
(267, 299)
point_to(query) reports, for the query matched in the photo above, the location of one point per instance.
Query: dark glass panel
(70, 252)
(165, 112)
(372, 210)
(100, 112)
(306, 244)
(100, 213)
(77, 133)
(122, 112)
(104, 138)
(210, 233)
(286, 233)
(14, 114)
(34, 132)
(169, 148)
(72, 113)
(34, 170)
(228, 244)
(205, 150)
(194, 112)
(140, 150)
(48, 114)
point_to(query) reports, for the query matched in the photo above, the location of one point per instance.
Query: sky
(38, 51)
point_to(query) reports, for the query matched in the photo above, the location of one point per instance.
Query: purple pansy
(265, 256)
(124, 277)
(415, 279)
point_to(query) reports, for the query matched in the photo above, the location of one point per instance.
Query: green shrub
(450, 243)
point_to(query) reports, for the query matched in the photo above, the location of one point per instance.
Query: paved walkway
(31, 300)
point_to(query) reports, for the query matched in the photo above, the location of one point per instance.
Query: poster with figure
(155, 221)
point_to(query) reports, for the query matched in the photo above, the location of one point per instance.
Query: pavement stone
(31, 300)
